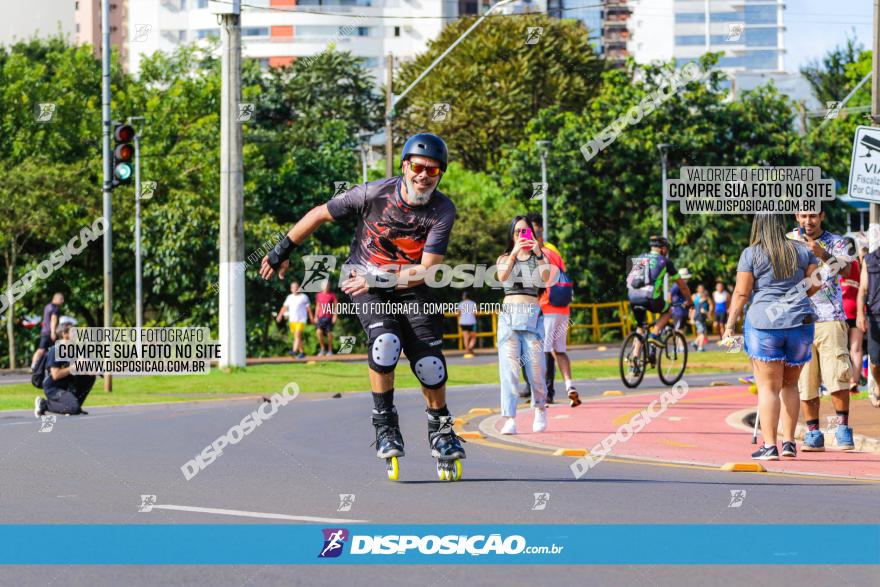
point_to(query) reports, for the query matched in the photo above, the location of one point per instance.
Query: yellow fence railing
(594, 319)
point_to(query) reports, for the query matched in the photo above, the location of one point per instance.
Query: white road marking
(187, 508)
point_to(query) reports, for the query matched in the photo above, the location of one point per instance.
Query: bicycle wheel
(632, 363)
(672, 359)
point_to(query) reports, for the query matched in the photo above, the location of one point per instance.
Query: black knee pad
(383, 350)
(430, 368)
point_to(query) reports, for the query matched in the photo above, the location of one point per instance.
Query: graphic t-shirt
(828, 301)
(297, 307)
(391, 232)
(468, 316)
(324, 302)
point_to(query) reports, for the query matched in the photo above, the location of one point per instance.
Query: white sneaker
(540, 423)
(509, 426)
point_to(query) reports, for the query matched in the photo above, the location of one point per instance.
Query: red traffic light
(123, 152)
(124, 133)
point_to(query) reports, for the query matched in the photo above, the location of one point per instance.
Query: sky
(814, 27)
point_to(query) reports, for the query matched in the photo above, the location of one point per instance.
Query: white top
(296, 306)
(467, 309)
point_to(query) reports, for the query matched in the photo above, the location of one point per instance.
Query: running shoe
(509, 426)
(766, 453)
(814, 441)
(844, 437)
(574, 398)
(789, 449)
(540, 423)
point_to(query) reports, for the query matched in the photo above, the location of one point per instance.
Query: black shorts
(873, 339)
(468, 327)
(421, 332)
(641, 305)
(325, 324)
(45, 341)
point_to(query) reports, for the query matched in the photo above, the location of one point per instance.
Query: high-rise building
(87, 16)
(276, 32)
(748, 32)
(40, 18)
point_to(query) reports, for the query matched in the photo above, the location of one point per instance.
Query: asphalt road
(93, 469)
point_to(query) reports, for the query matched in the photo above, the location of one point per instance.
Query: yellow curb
(746, 467)
(612, 392)
(570, 452)
(719, 383)
(470, 435)
(477, 411)
(602, 348)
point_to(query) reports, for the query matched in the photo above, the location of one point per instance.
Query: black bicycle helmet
(659, 241)
(426, 145)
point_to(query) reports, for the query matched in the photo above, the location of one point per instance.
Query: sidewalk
(707, 427)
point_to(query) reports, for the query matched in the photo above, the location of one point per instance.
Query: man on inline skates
(403, 228)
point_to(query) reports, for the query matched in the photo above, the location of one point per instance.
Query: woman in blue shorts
(774, 276)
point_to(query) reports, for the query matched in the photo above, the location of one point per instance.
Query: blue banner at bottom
(643, 544)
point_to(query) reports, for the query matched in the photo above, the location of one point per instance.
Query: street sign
(864, 171)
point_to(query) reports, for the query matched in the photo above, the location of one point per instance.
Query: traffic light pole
(108, 182)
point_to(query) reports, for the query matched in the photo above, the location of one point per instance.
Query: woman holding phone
(522, 270)
(778, 329)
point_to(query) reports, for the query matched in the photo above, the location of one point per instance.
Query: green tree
(495, 82)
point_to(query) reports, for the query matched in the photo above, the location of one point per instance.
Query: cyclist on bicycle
(645, 287)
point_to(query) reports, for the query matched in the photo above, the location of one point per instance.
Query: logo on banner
(334, 540)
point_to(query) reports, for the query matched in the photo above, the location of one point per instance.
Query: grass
(325, 376)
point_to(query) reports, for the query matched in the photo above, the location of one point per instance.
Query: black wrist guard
(280, 253)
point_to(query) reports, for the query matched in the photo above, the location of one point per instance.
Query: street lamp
(393, 100)
(664, 151)
(364, 148)
(544, 151)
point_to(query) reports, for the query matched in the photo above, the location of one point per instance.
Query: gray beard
(416, 197)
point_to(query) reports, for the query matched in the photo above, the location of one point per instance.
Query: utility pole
(138, 270)
(231, 306)
(544, 150)
(389, 113)
(108, 181)
(874, 217)
(664, 150)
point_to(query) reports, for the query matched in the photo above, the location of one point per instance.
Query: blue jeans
(793, 346)
(521, 347)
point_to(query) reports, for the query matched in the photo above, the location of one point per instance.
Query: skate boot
(389, 442)
(445, 447)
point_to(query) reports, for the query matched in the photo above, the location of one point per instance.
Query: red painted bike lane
(704, 427)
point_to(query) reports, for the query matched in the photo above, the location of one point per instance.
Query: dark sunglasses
(418, 168)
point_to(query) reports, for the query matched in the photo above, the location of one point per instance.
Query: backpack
(39, 373)
(638, 275)
(561, 292)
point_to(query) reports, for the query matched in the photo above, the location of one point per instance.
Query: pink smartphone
(526, 234)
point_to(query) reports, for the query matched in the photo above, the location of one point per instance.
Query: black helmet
(426, 145)
(659, 241)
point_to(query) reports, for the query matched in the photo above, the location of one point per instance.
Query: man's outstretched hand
(266, 271)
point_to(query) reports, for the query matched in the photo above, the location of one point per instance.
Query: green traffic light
(122, 171)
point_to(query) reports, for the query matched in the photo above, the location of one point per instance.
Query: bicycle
(636, 354)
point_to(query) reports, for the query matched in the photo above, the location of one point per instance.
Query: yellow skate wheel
(393, 468)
